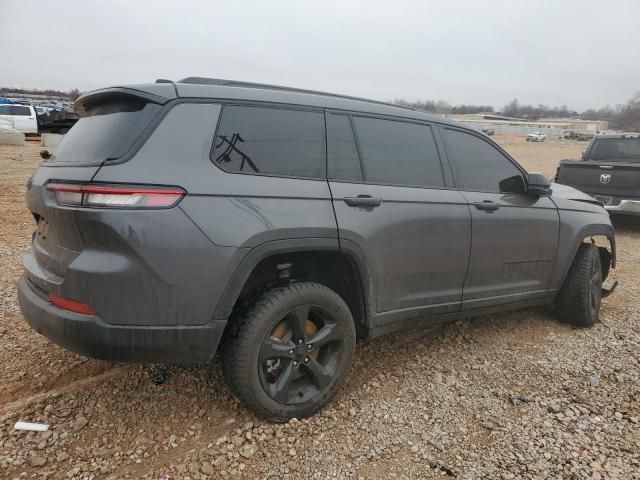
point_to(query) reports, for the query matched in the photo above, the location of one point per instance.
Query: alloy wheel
(300, 356)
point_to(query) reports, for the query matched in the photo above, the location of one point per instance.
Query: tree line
(621, 117)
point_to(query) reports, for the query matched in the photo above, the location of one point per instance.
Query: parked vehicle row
(32, 120)
(284, 225)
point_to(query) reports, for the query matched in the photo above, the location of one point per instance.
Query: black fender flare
(257, 254)
(590, 231)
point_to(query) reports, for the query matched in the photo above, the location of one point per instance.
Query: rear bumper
(90, 336)
(625, 206)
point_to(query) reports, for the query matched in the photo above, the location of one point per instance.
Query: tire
(578, 302)
(288, 353)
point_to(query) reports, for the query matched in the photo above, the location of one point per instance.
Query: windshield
(106, 131)
(622, 149)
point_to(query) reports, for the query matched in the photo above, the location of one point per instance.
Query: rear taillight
(115, 196)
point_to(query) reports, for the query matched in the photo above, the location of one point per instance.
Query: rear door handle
(362, 201)
(486, 205)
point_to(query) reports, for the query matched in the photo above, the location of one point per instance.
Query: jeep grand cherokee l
(282, 226)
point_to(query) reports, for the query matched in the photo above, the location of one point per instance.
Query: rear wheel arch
(280, 263)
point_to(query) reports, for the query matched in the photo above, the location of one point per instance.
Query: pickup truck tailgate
(615, 179)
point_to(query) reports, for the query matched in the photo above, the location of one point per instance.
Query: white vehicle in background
(536, 137)
(19, 117)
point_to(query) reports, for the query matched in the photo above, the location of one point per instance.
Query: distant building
(519, 125)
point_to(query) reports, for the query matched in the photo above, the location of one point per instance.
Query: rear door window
(271, 141)
(106, 131)
(398, 153)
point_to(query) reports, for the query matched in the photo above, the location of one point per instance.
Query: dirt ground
(515, 395)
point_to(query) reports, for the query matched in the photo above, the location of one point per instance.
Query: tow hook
(157, 373)
(608, 291)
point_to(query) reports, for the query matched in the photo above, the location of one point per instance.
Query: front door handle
(486, 205)
(362, 201)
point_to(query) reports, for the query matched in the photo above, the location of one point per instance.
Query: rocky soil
(515, 395)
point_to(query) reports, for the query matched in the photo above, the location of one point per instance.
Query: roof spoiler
(151, 93)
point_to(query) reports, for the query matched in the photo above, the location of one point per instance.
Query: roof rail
(238, 83)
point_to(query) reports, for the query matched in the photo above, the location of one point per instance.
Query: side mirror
(538, 184)
(513, 184)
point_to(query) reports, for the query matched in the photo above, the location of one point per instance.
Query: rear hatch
(112, 124)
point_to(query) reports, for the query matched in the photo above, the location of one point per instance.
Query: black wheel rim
(595, 289)
(300, 356)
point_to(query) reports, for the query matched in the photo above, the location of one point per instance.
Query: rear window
(617, 149)
(271, 141)
(107, 131)
(20, 111)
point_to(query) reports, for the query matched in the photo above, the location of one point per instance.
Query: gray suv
(284, 225)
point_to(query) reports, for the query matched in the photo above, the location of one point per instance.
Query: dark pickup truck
(609, 171)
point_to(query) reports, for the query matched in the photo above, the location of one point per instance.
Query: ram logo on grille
(605, 178)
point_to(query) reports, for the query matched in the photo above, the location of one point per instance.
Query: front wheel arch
(586, 235)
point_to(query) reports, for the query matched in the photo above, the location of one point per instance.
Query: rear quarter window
(271, 141)
(106, 131)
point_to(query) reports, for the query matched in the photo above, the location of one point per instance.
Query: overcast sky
(579, 53)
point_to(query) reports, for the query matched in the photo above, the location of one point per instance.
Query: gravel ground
(515, 395)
